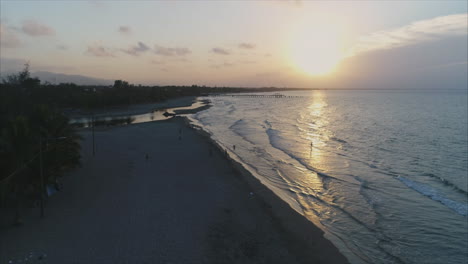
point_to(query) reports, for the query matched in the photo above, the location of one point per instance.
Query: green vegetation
(33, 121)
(33, 135)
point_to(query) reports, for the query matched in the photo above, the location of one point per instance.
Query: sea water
(382, 173)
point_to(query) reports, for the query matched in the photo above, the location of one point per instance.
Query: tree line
(37, 143)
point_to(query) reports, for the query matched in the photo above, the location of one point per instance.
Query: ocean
(382, 173)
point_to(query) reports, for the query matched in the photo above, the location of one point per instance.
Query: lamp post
(92, 120)
(42, 176)
(92, 127)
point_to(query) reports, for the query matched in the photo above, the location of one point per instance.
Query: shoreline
(201, 211)
(308, 238)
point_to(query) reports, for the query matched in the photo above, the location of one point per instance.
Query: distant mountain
(56, 78)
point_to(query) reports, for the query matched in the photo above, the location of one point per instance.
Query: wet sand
(186, 203)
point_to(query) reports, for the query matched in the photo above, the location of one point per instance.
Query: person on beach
(147, 156)
(311, 148)
(234, 147)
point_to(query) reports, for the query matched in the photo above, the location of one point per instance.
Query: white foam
(432, 193)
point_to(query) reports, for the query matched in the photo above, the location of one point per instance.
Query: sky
(300, 44)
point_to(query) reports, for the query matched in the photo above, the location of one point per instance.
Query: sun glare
(316, 48)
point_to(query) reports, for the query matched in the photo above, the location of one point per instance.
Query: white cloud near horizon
(99, 51)
(245, 45)
(62, 47)
(452, 64)
(125, 30)
(420, 31)
(169, 52)
(220, 51)
(137, 49)
(36, 29)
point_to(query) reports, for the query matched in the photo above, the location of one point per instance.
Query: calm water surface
(383, 173)
(126, 119)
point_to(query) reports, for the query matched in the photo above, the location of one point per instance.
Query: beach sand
(185, 203)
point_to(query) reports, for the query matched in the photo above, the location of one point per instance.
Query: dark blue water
(383, 173)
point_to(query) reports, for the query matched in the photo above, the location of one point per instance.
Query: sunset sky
(342, 44)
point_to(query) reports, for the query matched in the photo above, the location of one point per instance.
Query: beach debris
(167, 114)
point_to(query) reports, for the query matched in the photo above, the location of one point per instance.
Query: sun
(316, 48)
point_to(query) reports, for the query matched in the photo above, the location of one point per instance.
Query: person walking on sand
(311, 148)
(234, 147)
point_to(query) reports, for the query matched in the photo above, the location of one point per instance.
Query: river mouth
(152, 116)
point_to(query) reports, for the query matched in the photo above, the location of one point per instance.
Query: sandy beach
(160, 192)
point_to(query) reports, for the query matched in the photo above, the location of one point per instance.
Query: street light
(92, 127)
(92, 120)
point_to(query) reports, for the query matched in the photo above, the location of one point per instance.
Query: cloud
(36, 29)
(429, 65)
(248, 62)
(8, 38)
(184, 60)
(168, 52)
(451, 64)
(137, 49)
(244, 45)
(269, 74)
(416, 32)
(225, 65)
(125, 30)
(62, 47)
(99, 51)
(220, 51)
(157, 62)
